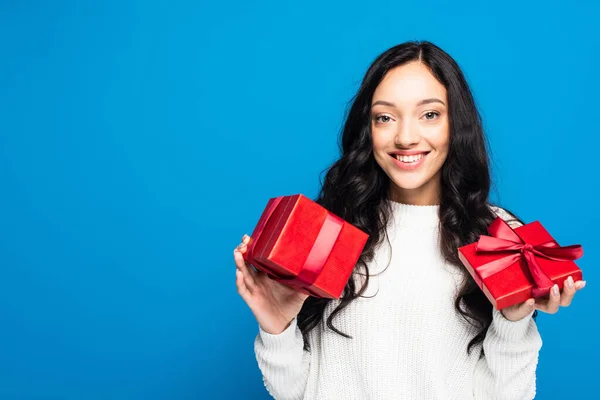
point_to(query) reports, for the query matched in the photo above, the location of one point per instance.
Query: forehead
(408, 84)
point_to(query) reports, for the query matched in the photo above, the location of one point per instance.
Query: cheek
(442, 149)
(440, 141)
(379, 142)
(380, 146)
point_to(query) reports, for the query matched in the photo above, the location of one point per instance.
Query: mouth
(409, 159)
(409, 162)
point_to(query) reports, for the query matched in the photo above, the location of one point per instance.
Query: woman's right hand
(273, 304)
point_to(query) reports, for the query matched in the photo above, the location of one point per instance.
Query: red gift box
(299, 243)
(512, 266)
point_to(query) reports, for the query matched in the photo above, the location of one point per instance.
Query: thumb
(520, 311)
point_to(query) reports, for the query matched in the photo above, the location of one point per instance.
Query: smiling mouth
(409, 159)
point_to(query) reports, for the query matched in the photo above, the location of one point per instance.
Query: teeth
(409, 159)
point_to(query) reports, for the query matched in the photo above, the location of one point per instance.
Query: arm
(507, 369)
(510, 351)
(283, 362)
(281, 357)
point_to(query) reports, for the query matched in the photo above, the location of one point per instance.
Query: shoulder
(510, 219)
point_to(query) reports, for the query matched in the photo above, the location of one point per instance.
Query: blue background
(140, 140)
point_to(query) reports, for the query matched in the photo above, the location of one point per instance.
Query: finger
(241, 285)
(246, 274)
(249, 269)
(579, 285)
(527, 306)
(550, 306)
(255, 273)
(242, 248)
(238, 258)
(524, 309)
(568, 292)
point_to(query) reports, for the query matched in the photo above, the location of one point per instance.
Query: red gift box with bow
(299, 243)
(512, 266)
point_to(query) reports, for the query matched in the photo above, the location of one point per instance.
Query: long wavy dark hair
(356, 188)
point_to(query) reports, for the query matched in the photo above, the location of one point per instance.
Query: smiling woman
(411, 323)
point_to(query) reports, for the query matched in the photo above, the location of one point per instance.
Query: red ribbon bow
(504, 239)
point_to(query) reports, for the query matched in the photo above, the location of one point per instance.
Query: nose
(407, 135)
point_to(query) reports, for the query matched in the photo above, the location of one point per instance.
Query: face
(410, 131)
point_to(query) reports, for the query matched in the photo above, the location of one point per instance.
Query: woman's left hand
(548, 305)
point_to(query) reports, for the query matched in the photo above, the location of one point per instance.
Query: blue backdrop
(140, 140)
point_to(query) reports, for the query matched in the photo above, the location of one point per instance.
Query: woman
(412, 323)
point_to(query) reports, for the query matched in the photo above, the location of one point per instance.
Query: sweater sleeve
(283, 362)
(507, 368)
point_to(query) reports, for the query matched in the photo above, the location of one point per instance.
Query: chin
(410, 183)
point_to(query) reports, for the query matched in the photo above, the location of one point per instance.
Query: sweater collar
(407, 214)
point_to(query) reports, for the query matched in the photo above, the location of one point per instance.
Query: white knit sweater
(408, 342)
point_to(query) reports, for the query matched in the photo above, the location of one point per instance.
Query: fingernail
(582, 284)
(570, 282)
(555, 290)
(530, 302)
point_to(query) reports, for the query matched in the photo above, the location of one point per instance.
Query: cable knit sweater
(408, 341)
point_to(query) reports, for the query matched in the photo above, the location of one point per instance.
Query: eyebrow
(420, 103)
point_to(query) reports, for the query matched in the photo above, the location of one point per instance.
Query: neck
(425, 195)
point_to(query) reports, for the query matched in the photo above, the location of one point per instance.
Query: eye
(383, 118)
(431, 115)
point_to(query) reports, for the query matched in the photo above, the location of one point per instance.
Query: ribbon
(504, 239)
(317, 256)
